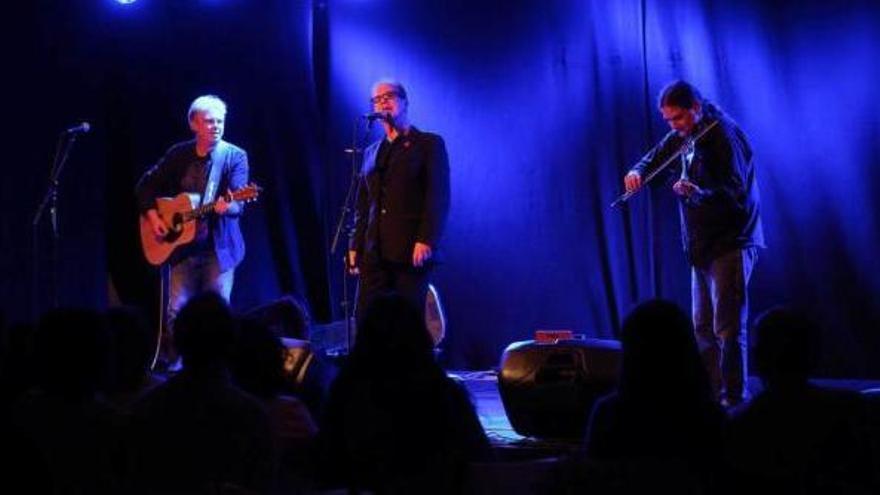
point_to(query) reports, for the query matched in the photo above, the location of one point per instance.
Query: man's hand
(156, 224)
(686, 188)
(421, 253)
(221, 205)
(632, 181)
(352, 263)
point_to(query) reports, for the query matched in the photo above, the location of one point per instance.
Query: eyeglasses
(382, 98)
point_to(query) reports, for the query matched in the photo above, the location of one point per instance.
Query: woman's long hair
(660, 355)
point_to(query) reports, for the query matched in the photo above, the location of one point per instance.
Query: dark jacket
(726, 215)
(165, 179)
(405, 203)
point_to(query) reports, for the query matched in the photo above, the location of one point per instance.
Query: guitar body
(180, 215)
(171, 211)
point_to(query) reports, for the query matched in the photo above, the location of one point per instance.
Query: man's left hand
(421, 254)
(221, 205)
(686, 188)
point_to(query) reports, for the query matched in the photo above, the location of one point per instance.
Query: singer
(720, 226)
(201, 166)
(401, 207)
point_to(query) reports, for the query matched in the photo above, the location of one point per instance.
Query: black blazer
(408, 204)
(726, 216)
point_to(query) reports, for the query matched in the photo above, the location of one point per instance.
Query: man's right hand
(352, 263)
(156, 223)
(632, 181)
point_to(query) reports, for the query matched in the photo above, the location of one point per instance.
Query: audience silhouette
(62, 424)
(394, 422)
(81, 412)
(795, 436)
(258, 368)
(662, 425)
(198, 432)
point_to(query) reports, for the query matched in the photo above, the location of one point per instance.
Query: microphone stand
(343, 223)
(50, 199)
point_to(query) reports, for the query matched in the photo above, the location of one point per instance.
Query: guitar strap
(218, 160)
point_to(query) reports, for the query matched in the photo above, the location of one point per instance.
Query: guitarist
(209, 261)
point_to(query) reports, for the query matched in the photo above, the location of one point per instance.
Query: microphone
(79, 129)
(376, 116)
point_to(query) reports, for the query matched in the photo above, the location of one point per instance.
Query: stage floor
(508, 444)
(483, 387)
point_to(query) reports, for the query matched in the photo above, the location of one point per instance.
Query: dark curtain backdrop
(258, 57)
(132, 71)
(544, 106)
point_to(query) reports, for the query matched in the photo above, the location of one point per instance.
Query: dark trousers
(381, 277)
(719, 295)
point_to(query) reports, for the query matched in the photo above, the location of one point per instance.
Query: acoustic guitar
(180, 214)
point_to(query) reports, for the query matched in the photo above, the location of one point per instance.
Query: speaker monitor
(548, 390)
(288, 316)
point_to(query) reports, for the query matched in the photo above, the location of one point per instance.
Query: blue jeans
(193, 275)
(720, 307)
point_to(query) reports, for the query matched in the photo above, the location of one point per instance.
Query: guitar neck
(247, 193)
(199, 212)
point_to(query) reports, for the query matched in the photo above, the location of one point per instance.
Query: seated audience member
(394, 422)
(288, 316)
(198, 432)
(795, 436)
(62, 423)
(663, 416)
(258, 368)
(16, 361)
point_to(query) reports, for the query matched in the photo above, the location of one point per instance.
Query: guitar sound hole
(175, 228)
(177, 223)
